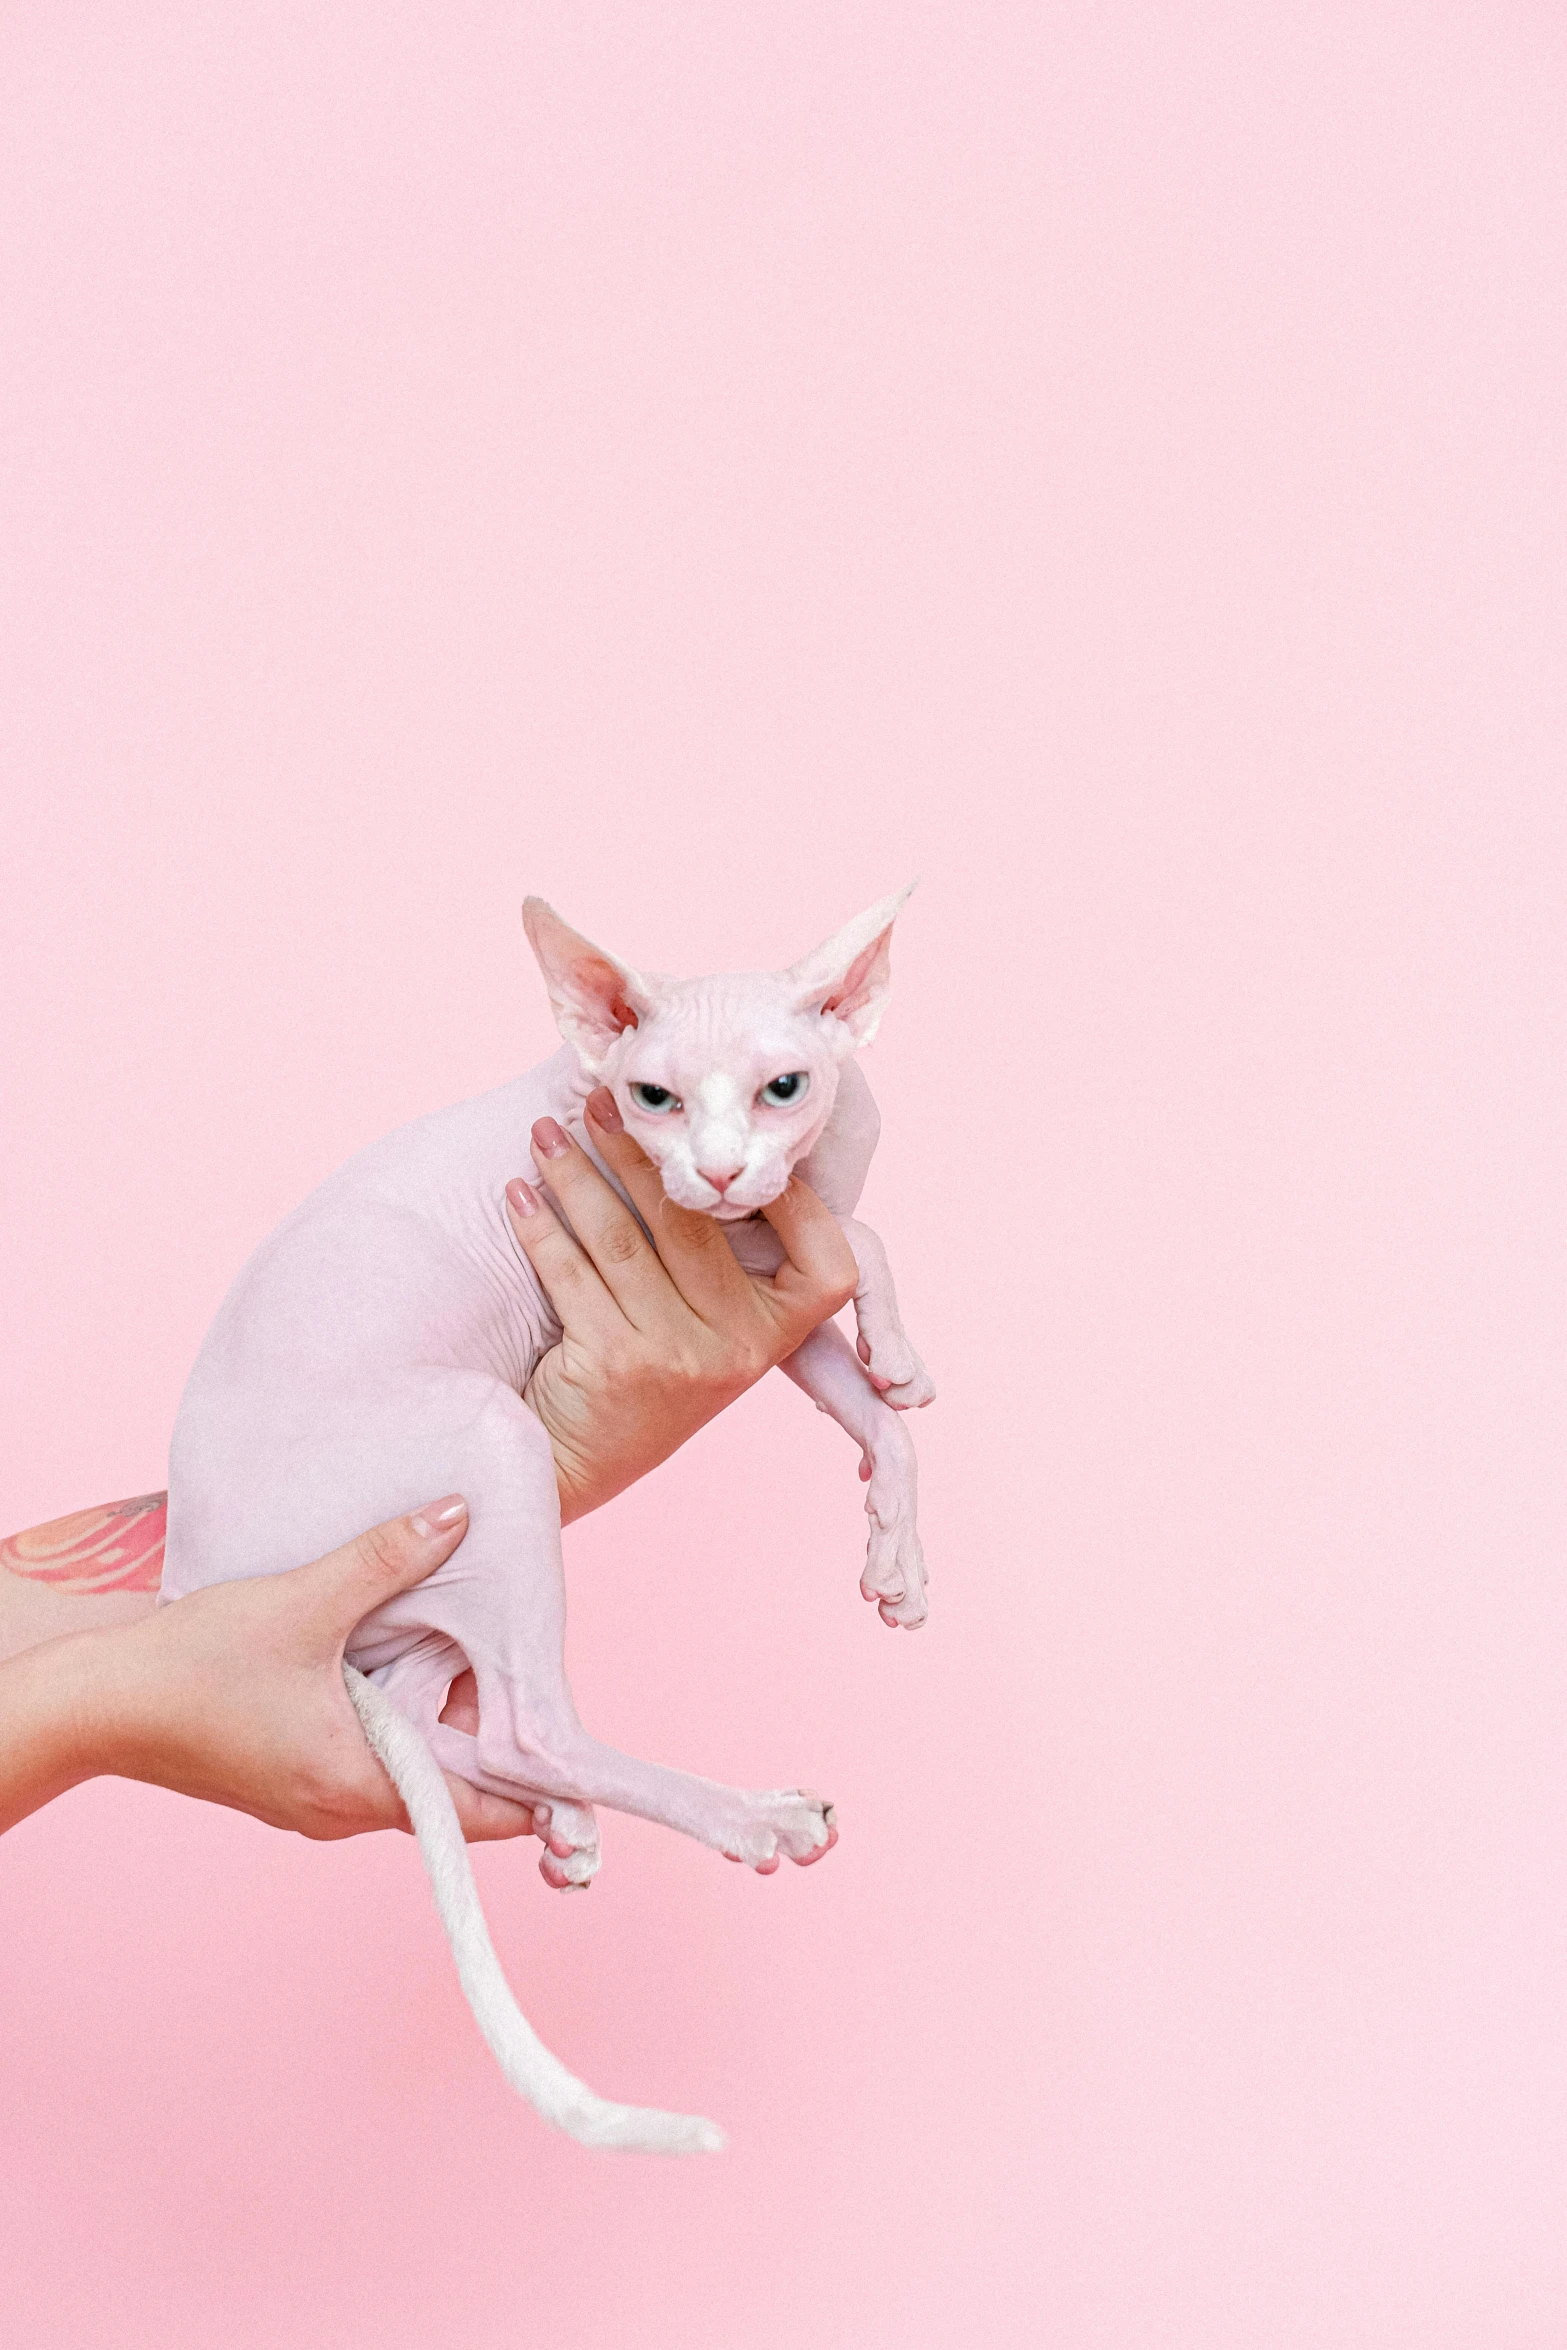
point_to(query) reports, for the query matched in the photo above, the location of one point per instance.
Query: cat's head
(725, 1082)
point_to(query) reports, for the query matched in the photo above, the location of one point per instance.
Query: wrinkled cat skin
(376, 1347)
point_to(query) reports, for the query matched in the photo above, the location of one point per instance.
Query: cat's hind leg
(499, 1597)
(826, 1369)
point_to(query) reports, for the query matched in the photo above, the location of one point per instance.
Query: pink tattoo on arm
(117, 1547)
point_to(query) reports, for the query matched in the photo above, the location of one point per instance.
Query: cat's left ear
(593, 995)
(849, 977)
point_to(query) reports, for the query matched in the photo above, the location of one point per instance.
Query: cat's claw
(571, 1845)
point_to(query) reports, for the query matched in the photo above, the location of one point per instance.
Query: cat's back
(404, 1253)
(436, 1164)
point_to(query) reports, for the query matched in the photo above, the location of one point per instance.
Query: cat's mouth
(726, 1212)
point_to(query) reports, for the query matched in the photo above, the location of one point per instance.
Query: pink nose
(719, 1177)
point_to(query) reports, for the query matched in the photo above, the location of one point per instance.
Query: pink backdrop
(708, 464)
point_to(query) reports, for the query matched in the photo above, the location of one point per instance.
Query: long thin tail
(520, 2053)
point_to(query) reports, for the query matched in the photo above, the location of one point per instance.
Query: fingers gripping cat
(376, 1347)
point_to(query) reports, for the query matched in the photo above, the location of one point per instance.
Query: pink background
(707, 464)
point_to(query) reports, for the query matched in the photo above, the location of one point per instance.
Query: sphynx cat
(376, 1348)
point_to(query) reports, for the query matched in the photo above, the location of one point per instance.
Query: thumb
(375, 1566)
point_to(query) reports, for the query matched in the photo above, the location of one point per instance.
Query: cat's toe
(571, 1856)
(810, 1829)
(897, 1374)
(790, 1824)
(914, 1393)
(805, 1860)
(895, 1575)
(572, 1872)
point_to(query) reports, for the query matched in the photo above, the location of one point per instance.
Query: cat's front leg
(895, 1370)
(826, 1369)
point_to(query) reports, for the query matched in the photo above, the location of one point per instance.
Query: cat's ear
(593, 996)
(849, 976)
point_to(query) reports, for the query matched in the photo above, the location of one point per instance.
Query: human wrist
(133, 1700)
(54, 1723)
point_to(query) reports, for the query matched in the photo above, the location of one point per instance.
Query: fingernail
(603, 1112)
(438, 1517)
(548, 1138)
(522, 1196)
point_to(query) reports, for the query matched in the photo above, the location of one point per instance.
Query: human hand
(235, 1694)
(656, 1340)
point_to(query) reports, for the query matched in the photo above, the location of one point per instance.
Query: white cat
(375, 1350)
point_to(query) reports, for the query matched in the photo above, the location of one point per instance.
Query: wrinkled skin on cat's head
(724, 1082)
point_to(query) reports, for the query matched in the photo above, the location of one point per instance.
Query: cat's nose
(719, 1177)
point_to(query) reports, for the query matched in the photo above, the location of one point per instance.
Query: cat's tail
(522, 2056)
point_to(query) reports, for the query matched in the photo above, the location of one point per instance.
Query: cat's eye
(656, 1098)
(785, 1091)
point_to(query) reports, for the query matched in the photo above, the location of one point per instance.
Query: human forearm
(95, 1567)
(31, 1612)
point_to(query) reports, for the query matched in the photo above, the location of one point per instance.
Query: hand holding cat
(658, 1338)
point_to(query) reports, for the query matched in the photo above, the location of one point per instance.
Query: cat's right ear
(594, 998)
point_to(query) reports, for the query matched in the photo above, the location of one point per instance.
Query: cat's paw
(895, 1569)
(571, 1844)
(784, 1824)
(895, 1370)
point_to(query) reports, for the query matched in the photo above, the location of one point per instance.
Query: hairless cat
(376, 1349)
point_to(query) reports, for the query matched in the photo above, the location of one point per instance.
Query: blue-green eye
(785, 1091)
(656, 1098)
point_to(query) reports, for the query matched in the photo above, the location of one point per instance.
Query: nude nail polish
(604, 1113)
(523, 1197)
(438, 1517)
(548, 1139)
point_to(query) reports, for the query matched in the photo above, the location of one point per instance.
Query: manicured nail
(548, 1139)
(523, 1197)
(438, 1517)
(603, 1112)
